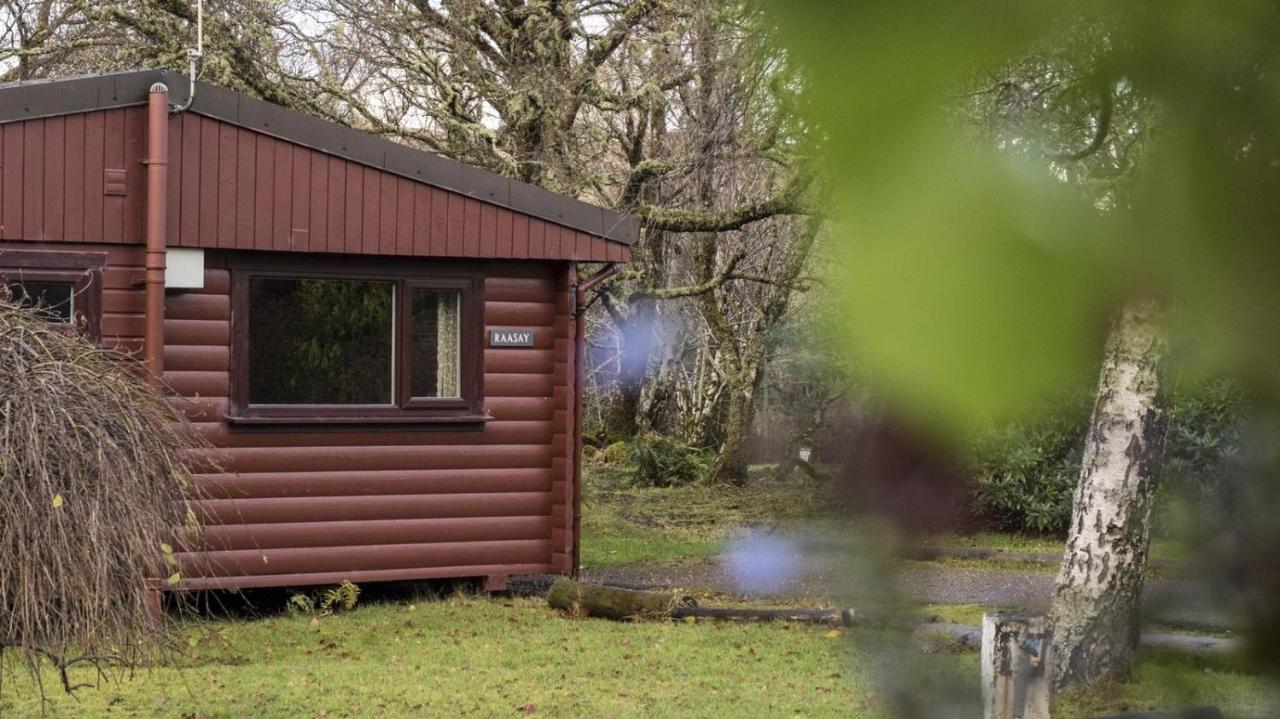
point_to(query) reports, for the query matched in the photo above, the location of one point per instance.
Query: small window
(55, 300)
(65, 287)
(354, 342)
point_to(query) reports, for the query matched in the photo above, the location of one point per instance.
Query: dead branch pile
(91, 480)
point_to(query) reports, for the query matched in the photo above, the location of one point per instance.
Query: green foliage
(1203, 443)
(342, 597)
(301, 604)
(1024, 473)
(662, 461)
(614, 454)
(973, 275)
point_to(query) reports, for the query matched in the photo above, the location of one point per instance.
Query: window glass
(434, 347)
(320, 341)
(55, 299)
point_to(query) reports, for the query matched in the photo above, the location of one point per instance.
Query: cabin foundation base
(495, 583)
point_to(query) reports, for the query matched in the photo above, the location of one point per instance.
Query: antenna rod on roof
(194, 58)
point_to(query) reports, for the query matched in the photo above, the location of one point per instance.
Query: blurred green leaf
(962, 293)
(977, 274)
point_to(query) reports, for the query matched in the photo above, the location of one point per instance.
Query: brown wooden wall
(295, 506)
(122, 294)
(233, 188)
(320, 504)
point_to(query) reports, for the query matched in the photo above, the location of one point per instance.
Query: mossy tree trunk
(1095, 609)
(636, 342)
(733, 454)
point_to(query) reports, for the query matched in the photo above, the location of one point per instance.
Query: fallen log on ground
(594, 600)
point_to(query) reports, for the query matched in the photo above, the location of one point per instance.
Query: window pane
(319, 341)
(434, 345)
(55, 299)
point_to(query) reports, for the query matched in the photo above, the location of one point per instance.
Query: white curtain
(447, 306)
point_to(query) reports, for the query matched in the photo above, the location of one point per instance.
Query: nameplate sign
(510, 338)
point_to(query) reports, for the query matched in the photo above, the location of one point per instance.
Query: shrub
(91, 480)
(1203, 442)
(661, 461)
(614, 454)
(326, 602)
(1024, 474)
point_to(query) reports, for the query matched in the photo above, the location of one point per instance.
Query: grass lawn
(477, 656)
(1005, 541)
(1166, 554)
(472, 655)
(1162, 548)
(623, 524)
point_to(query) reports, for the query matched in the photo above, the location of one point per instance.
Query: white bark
(1099, 590)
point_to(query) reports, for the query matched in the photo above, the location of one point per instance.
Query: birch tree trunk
(1095, 609)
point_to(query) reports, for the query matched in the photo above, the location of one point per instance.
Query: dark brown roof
(45, 98)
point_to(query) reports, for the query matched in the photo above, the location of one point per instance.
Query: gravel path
(1174, 602)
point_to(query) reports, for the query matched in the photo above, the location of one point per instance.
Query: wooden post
(155, 604)
(1015, 662)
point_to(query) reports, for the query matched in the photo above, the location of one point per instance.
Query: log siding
(295, 505)
(304, 504)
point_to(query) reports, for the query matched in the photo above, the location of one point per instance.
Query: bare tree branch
(667, 219)
(671, 293)
(1103, 127)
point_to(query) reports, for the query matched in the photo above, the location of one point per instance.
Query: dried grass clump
(92, 473)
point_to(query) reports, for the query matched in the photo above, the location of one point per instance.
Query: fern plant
(342, 597)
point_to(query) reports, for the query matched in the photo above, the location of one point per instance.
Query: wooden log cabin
(380, 344)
